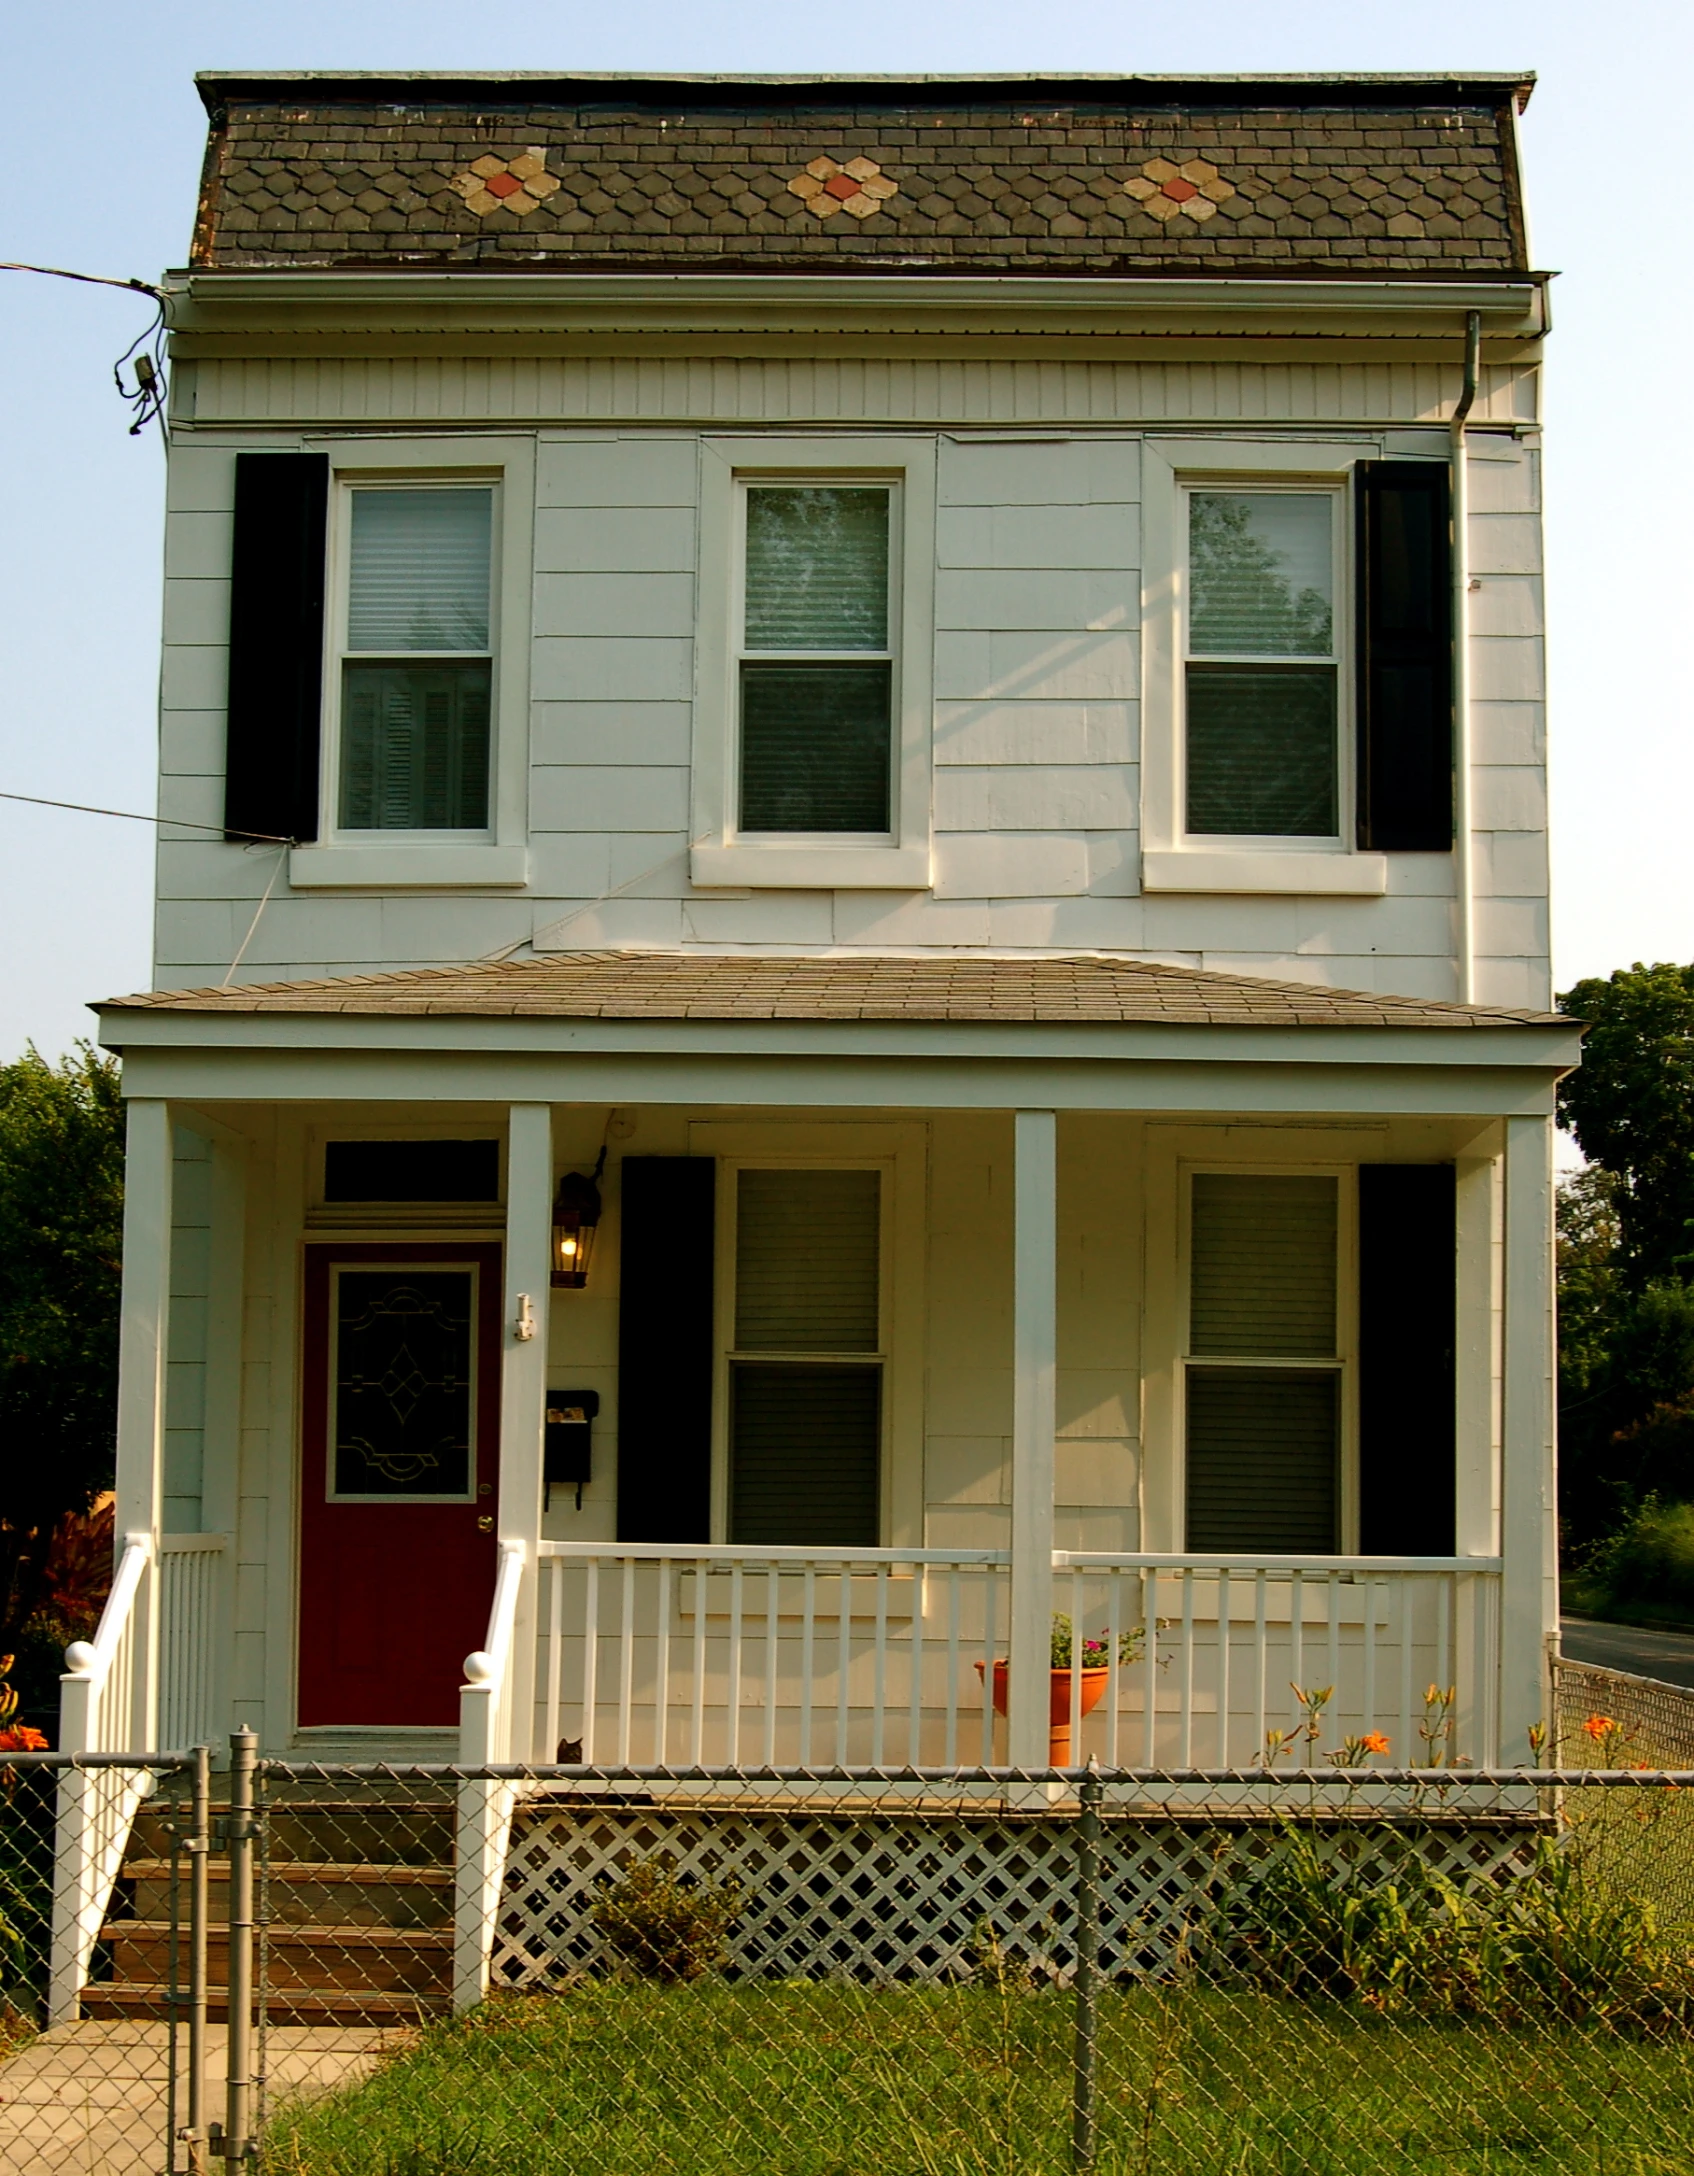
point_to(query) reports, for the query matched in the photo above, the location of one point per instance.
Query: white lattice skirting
(890, 1895)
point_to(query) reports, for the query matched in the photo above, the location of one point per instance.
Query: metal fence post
(1084, 2123)
(199, 1849)
(243, 1750)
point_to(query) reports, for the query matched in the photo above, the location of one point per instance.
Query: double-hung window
(816, 670)
(807, 1365)
(813, 706)
(1262, 675)
(416, 679)
(1264, 1373)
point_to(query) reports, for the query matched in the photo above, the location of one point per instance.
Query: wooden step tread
(361, 2005)
(285, 1931)
(384, 1872)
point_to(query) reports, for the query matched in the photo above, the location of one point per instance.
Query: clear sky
(107, 134)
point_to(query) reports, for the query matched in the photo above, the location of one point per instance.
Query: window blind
(807, 1246)
(1263, 1448)
(1261, 751)
(815, 747)
(806, 1447)
(1262, 1255)
(1260, 575)
(414, 747)
(817, 568)
(419, 575)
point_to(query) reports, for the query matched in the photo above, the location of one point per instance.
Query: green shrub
(1647, 1563)
(664, 1927)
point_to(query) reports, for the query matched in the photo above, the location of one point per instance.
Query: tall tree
(61, 1244)
(1630, 1105)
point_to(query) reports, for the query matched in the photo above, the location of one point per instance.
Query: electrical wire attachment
(145, 353)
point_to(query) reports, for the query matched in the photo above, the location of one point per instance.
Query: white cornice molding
(259, 307)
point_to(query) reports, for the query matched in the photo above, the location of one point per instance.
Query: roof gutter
(1464, 868)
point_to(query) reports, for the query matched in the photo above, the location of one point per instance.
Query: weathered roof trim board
(215, 85)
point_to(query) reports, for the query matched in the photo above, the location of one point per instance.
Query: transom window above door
(1264, 660)
(417, 663)
(817, 662)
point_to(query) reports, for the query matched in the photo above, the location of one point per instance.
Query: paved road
(1666, 1655)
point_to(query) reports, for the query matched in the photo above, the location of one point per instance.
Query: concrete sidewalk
(91, 2099)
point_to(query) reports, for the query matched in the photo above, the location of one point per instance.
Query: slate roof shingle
(743, 986)
(1339, 175)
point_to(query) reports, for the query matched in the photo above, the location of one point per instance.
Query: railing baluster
(1440, 1595)
(590, 1657)
(773, 1621)
(991, 1614)
(662, 1667)
(1332, 1602)
(1403, 1617)
(733, 1690)
(808, 1621)
(1223, 1668)
(880, 1691)
(950, 1740)
(626, 1662)
(844, 1652)
(1261, 1650)
(1186, 1756)
(920, 1602)
(1368, 1588)
(552, 1733)
(697, 1735)
(1114, 1639)
(1078, 1619)
(1296, 1646)
(1150, 1668)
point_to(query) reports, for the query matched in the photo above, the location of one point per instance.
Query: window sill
(1202, 869)
(409, 868)
(811, 868)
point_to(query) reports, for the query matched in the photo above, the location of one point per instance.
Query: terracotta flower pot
(1058, 1704)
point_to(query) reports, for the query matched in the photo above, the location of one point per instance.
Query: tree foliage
(61, 1244)
(1626, 1251)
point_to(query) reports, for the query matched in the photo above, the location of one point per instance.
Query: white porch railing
(484, 1820)
(191, 1568)
(730, 1657)
(735, 1657)
(105, 1706)
(1228, 1639)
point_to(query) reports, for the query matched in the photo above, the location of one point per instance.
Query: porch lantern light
(576, 1216)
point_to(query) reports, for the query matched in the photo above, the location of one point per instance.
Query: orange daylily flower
(1373, 1742)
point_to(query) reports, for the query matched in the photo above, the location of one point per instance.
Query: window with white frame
(816, 664)
(1263, 663)
(806, 1369)
(1265, 1370)
(415, 675)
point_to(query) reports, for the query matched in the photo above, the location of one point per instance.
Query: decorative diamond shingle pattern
(1329, 180)
(752, 986)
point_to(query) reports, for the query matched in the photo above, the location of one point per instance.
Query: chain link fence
(433, 1971)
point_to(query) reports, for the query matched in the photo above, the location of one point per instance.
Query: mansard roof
(1381, 175)
(882, 986)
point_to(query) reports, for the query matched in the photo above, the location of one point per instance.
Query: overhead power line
(133, 816)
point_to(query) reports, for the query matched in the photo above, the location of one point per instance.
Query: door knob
(485, 1525)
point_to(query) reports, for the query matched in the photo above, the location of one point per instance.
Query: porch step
(350, 1959)
(310, 1892)
(149, 1999)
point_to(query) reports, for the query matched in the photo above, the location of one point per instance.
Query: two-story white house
(877, 963)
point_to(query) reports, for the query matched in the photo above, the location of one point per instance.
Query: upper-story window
(417, 664)
(813, 707)
(1262, 676)
(817, 665)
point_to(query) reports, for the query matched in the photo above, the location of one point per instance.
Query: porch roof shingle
(883, 986)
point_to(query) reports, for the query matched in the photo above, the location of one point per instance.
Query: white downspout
(1464, 876)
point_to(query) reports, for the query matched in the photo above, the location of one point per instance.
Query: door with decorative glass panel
(400, 1456)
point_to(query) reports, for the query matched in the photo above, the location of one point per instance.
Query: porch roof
(1076, 989)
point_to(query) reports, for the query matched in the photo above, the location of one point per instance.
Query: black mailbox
(568, 1440)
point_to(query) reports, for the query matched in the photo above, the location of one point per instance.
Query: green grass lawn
(812, 2079)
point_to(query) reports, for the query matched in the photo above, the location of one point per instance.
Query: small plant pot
(1092, 1690)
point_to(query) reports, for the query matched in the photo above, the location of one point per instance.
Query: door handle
(485, 1525)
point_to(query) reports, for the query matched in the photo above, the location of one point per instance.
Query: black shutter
(1405, 579)
(276, 623)
(665, 1353)
(1408, 1307)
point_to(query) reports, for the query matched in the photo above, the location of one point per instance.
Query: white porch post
(523, 1386)
(1528, 1587)
(1034, 1334)
(143, 1332)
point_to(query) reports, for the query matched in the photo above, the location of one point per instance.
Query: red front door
(400, 1455)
